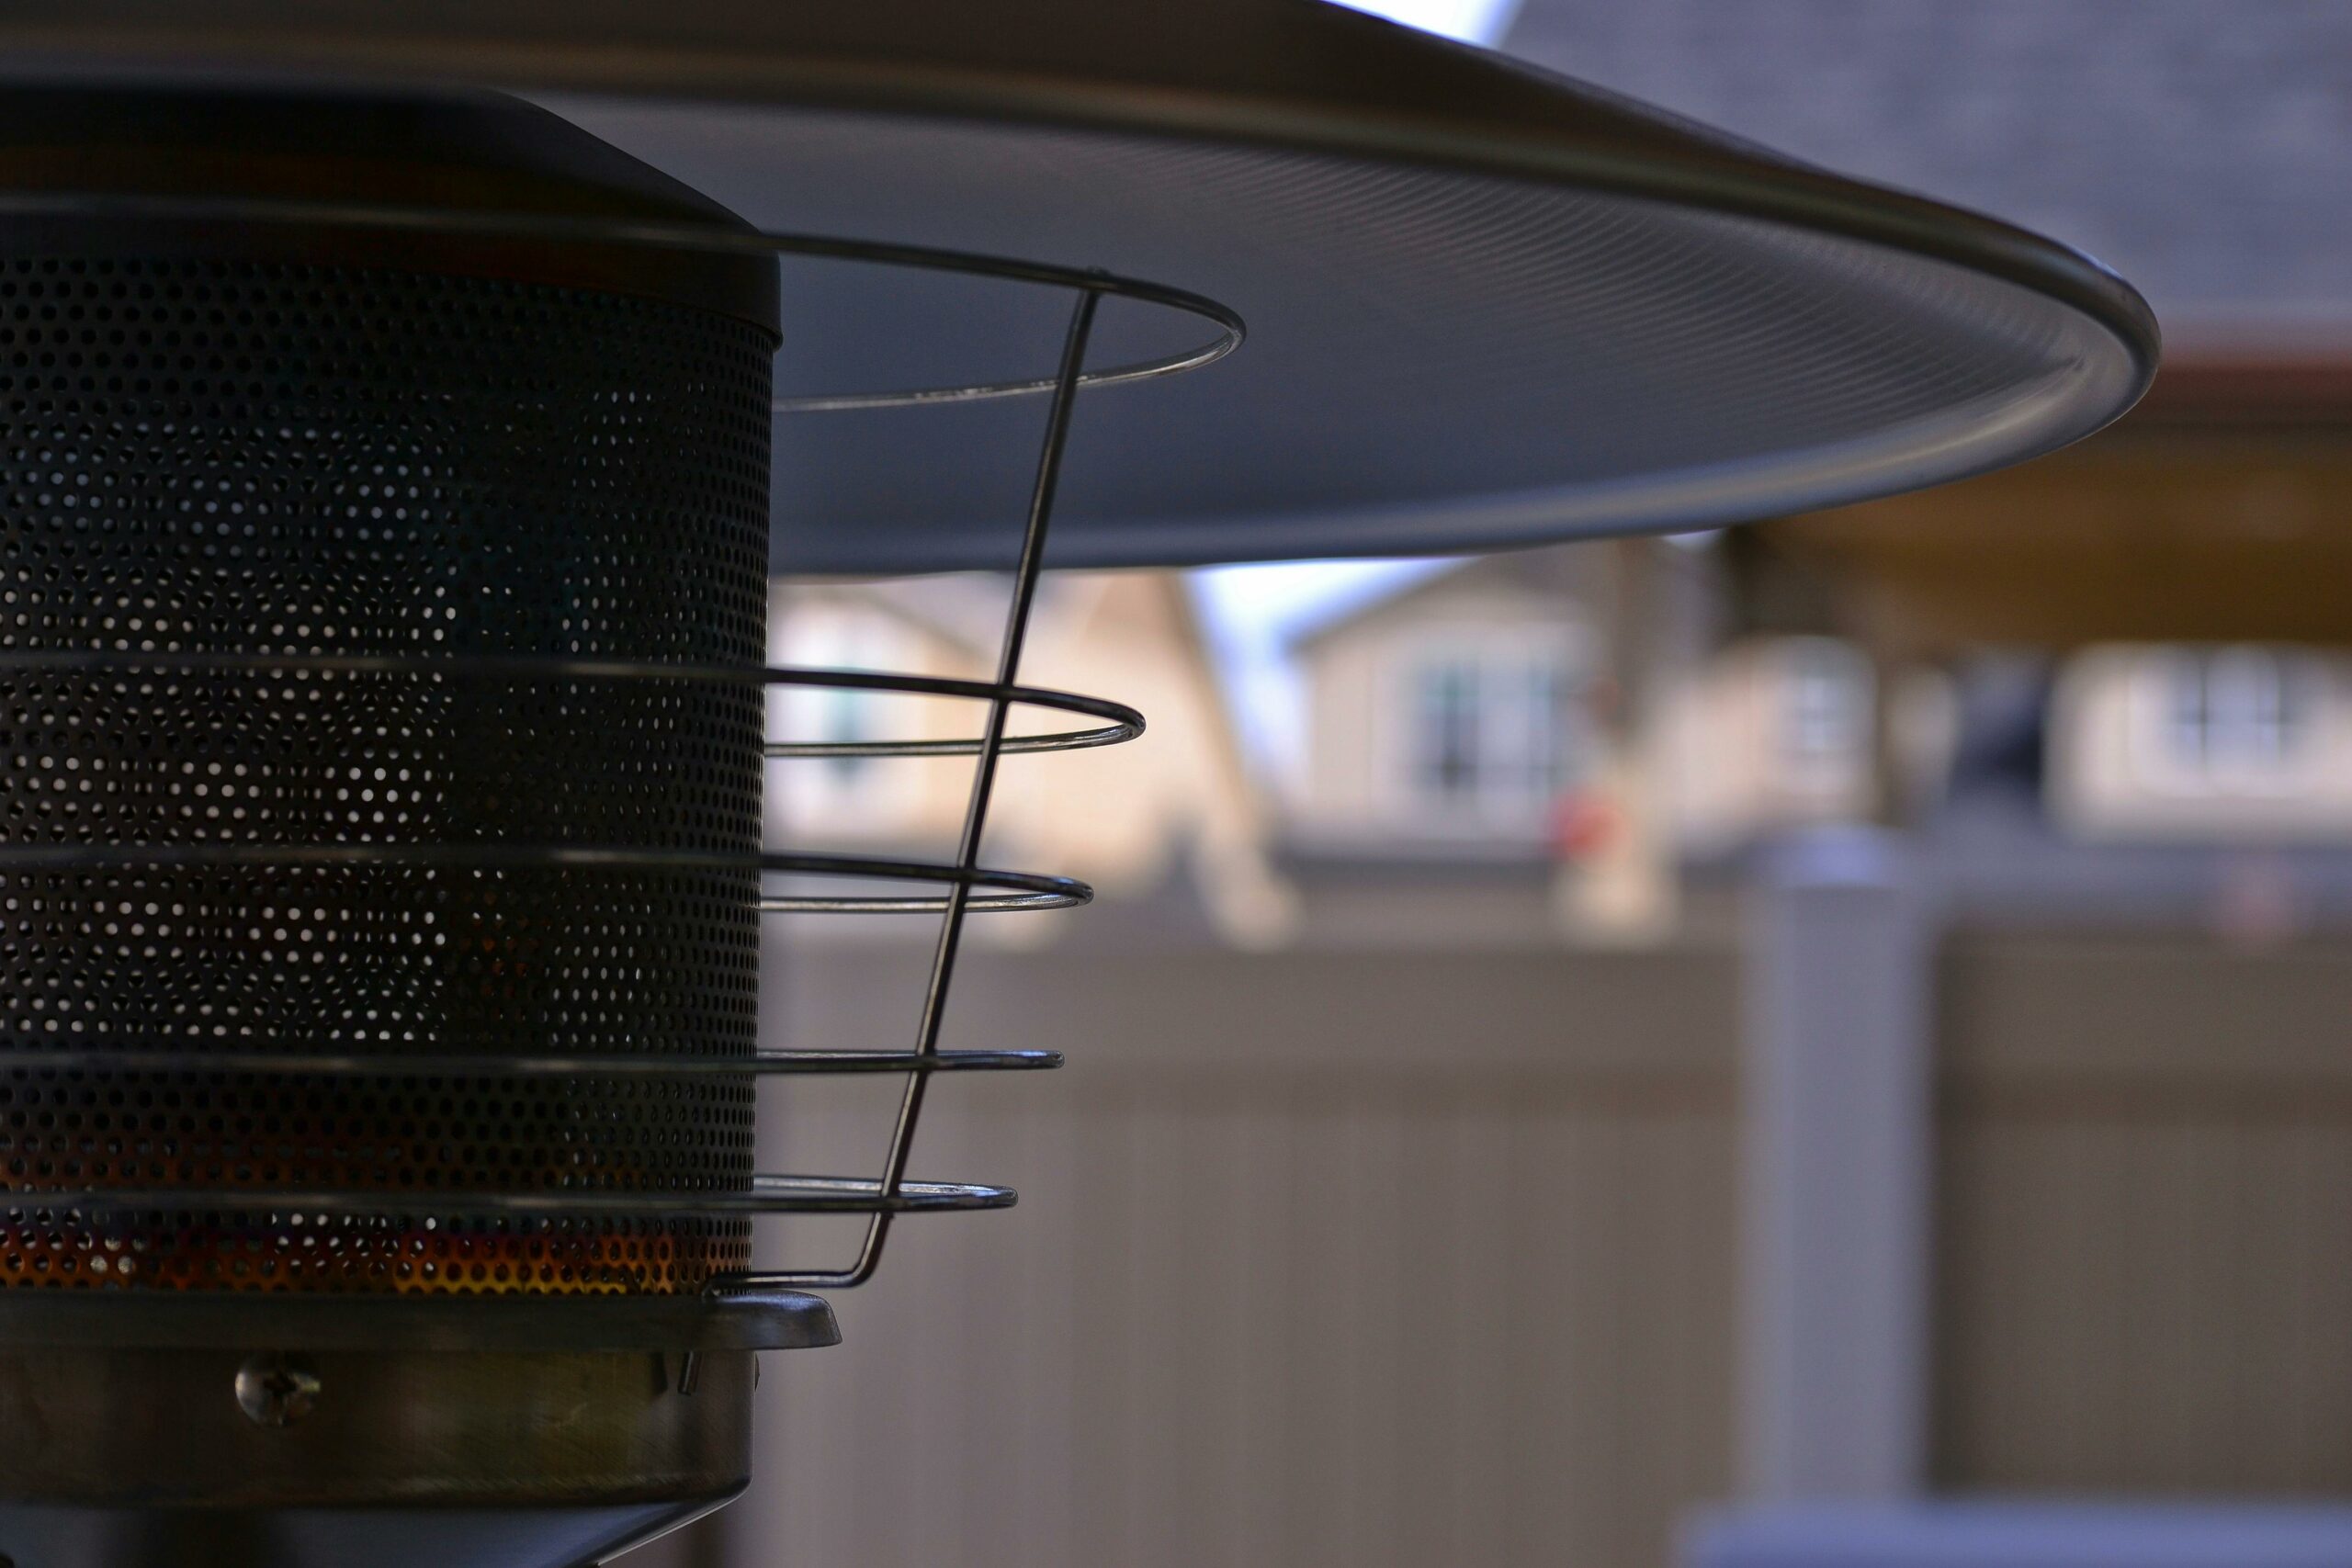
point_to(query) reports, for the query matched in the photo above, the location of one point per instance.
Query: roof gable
(1570, 576)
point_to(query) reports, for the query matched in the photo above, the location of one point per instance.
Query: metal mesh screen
(205, 456)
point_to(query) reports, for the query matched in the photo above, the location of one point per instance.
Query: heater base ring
(381, 1460)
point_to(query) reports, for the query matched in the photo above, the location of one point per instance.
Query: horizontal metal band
(1123, 723)
(766, 1194)
(1010, 889)
(198, 1059)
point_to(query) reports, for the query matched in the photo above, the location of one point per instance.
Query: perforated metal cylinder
(301, 443)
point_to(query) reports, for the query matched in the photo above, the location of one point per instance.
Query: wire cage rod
(425, 1065)
(764, 1194)
(1070, 379)
(1122, 723)
(1008, 890)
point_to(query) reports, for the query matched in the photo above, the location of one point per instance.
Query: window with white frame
(2234, 716)
(1827, 715)
(1490, 729)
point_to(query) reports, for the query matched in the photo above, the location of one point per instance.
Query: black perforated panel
(210, 456)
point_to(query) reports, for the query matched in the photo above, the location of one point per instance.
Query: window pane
(1446, 730)
(2185, 710)
(2240, 709)
(1825, 715)
(1523, 720)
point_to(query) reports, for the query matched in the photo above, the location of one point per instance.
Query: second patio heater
(403, 409)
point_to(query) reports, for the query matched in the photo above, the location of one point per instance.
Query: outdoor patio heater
(391, 472)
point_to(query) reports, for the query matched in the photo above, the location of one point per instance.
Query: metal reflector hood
(1486, 306)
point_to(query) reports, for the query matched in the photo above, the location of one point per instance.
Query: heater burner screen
(206, 456)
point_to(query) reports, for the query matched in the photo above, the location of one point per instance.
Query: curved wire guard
(967, 887)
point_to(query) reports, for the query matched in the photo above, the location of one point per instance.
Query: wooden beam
(2165, 527)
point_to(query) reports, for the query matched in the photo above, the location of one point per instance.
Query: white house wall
(1359, 695)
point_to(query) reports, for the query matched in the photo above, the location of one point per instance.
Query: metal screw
(276, 1390)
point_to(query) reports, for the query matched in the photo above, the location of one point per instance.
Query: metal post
(1837, 1110)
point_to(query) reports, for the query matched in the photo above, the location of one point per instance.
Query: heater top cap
(1486, 306)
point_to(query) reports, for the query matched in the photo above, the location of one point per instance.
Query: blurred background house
(1646, 1047)
(1470, 748)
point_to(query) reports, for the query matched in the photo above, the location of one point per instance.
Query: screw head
(275, 1390)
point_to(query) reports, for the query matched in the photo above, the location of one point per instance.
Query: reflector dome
(1486, 306)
